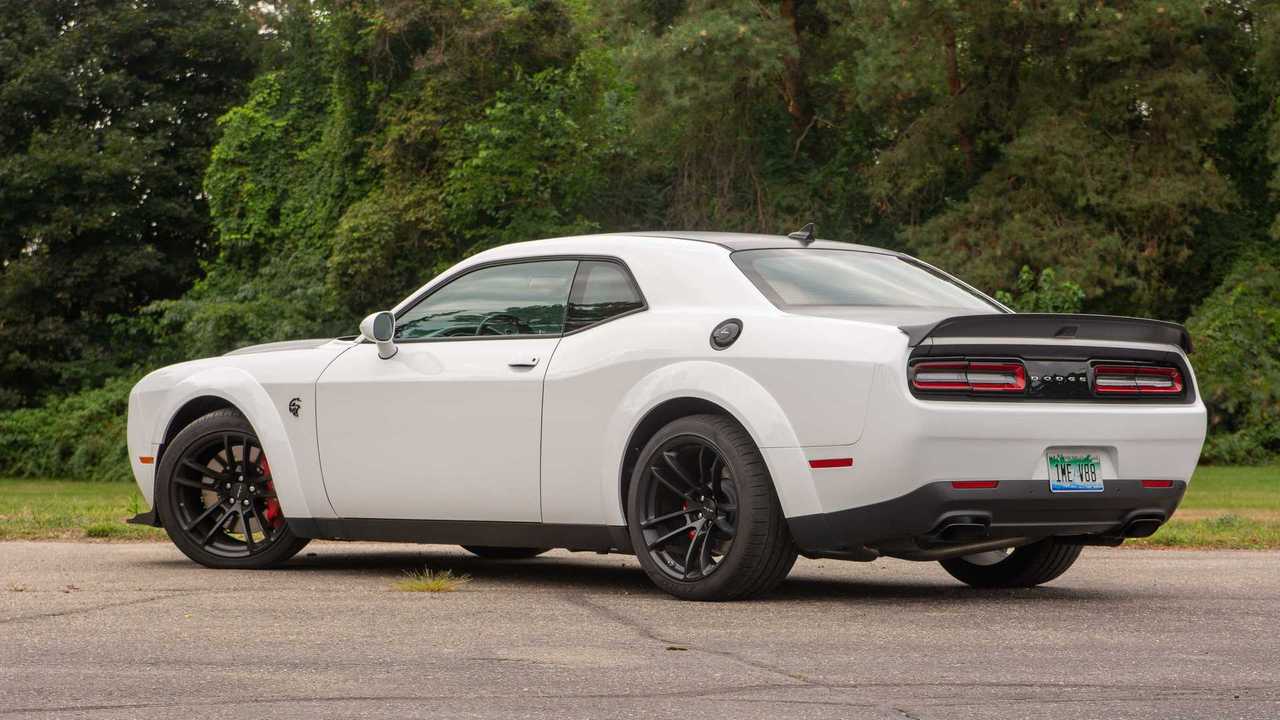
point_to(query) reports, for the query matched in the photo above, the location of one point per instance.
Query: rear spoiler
(1053, 326)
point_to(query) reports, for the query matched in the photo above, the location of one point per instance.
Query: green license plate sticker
(1074, 473)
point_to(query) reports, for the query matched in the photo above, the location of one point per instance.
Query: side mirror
(380, 329)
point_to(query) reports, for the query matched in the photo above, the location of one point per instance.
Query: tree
(384, 142)
(108, 110)
(1081, 136)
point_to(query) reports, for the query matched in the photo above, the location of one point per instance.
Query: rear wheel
(702, 513)
(503, 553)
(216, 498)
(1021, 567)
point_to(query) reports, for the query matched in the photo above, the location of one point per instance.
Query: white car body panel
(260, 386)
(999, 441)
(429, 444)
(446, 430)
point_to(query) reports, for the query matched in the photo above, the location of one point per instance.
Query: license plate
(1074, 473)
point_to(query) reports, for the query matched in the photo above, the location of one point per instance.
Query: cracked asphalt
(137, 631)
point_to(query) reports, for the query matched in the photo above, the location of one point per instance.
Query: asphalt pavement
(102, 630)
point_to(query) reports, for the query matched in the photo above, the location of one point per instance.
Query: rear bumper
(909, 443)
(937, 515)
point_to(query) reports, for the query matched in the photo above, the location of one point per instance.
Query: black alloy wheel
(703, 516)
(217, 499)
(690, 508)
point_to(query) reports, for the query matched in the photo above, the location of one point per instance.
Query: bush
(1237, 335)
(1043, 293)
(80, 436)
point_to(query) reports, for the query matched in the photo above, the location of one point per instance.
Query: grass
(1227, 507)
(430, 582)
(67, 510)
(1234, 487)
(1223, 532)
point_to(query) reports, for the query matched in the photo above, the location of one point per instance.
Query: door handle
(524, 361)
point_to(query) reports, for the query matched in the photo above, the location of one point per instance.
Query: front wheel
(1021, 567)
(702, 513)
(216, 497)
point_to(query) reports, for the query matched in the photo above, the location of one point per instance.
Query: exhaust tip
(1143, 526)
(964, 528)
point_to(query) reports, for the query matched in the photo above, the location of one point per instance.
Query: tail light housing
(969, 376)
(1136, 380)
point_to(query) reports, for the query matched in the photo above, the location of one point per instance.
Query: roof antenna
(805, 234)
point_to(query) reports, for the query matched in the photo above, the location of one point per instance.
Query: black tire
(489, 552)
(734, 511)
(1024, 567)
(208, 496)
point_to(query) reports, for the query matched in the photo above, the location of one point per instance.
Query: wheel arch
(653, 421)
(694, 388)
(190, 411)
(237, 389)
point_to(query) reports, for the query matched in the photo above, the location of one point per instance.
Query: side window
(602, 290)
(518, 299)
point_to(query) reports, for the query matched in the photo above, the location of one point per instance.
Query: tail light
(1136, 380)
(969, 376)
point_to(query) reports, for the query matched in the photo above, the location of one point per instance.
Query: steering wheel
(520, 327)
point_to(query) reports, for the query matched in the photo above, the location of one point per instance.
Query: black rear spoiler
(1048, 325)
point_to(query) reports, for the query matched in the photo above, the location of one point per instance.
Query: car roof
(751, 241)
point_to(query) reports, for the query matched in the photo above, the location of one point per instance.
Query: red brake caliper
(274, 517)
(685, 506)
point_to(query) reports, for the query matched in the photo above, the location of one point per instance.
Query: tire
(207, 496)
(503, 553)
(701, 479)
(1024, 567)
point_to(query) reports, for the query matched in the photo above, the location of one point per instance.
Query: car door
(449, 427)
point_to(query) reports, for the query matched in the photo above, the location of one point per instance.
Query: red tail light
(1136, 380)
(969, 376)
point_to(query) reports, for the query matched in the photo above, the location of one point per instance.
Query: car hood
(307, 344)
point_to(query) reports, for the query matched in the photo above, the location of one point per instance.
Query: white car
(713, 403)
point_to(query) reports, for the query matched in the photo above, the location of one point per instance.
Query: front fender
(738, 394)
(291, 450)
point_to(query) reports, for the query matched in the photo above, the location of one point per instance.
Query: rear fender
(732, 390)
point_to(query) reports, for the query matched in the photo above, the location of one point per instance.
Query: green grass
(1226, 507)
(1232, 487)
(431, 582)
(64, 509)
(1222, 532)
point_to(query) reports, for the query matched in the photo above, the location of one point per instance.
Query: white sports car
(713, 403)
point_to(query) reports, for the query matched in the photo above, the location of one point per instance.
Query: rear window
(813, 277)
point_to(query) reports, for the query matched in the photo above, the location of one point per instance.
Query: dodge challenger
(713, 403)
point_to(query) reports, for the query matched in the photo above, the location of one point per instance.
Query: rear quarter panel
(789, 380)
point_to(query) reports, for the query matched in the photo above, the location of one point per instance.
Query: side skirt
(598, 538)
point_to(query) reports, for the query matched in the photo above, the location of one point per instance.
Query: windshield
(816, 277)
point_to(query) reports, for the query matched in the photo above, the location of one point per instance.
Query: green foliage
(162, 197)
(1086, 143)
(107, 122)
(77, 436)
(1237, 336)
(1043, 293)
